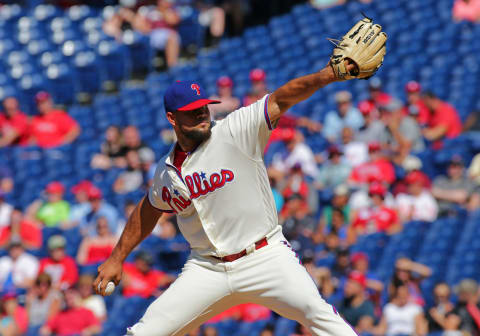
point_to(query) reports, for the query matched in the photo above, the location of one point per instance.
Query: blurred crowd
(357, 171)
(368, 180)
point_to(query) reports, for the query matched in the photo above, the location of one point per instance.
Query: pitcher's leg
(284, 286)
(198, 294)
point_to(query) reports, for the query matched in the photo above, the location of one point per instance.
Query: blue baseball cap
(186, 96)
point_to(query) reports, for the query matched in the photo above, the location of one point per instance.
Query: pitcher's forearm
(138, 227)
(297, 90)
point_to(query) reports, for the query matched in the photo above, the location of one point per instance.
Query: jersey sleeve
(250, 127)
(155, 192)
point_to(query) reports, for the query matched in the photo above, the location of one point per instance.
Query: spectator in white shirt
(299, 153)
(18, 269)
(355, 152)
(418, 203)
(401, 317)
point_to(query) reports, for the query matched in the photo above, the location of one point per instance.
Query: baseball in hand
(109, 289)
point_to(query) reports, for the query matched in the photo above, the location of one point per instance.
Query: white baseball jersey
(222, 196)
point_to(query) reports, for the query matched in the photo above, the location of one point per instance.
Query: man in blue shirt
(345, 116)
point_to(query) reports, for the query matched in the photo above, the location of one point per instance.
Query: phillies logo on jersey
(178, 203)
(198, 185)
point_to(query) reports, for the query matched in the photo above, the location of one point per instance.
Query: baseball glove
(364, 45)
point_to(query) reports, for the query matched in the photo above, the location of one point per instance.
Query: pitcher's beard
(199, 135)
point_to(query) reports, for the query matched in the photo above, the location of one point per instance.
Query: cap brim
(197, 104)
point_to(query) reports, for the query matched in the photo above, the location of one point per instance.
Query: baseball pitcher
(216, 183)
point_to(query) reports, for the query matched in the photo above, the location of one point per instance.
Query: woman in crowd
(43, 301)
(96, 249)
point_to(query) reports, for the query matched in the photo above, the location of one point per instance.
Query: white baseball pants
(271, 276)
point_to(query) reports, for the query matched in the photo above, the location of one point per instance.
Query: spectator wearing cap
(377, 96)
(415, 105)
(112, 151)
(355, 152)
(378, 217)
(52, 127)
(259, 87)
(98, 208)
(373, 129)
(298, 153)
(355, 308)
(360, 263)
(224, 94)
(131, 179)
(61, 267)
(333, 172)
(403, 132)
(466, 313)
(14, 124)
(54, 210)
(466, 10)
(96, 249)
(139, 279)
(437, 314)
(454, 189)
(401, 317)
(418, 203)
(20, 228)
(18, 269)
(14, 320)
(378, 168)
(346, 115)
(89, 300)
(73, 320)
(81, 207)
(444, 122)
(42, 302)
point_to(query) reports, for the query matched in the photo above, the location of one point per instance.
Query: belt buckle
(251, 248)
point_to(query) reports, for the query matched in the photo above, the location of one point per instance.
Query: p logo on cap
(185, 96)
(196, 88)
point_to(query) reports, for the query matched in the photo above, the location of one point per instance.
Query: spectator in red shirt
(73, 320)
(140, 279)
(377, 96)
(52, 127)
(96, 249)
(13, 124)
(250, 312)
(378, 217)
(378, 168)
(59, 265)
(259, 87)
(468, 10)
(415, 104)
(29, 232)
(444, 121)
